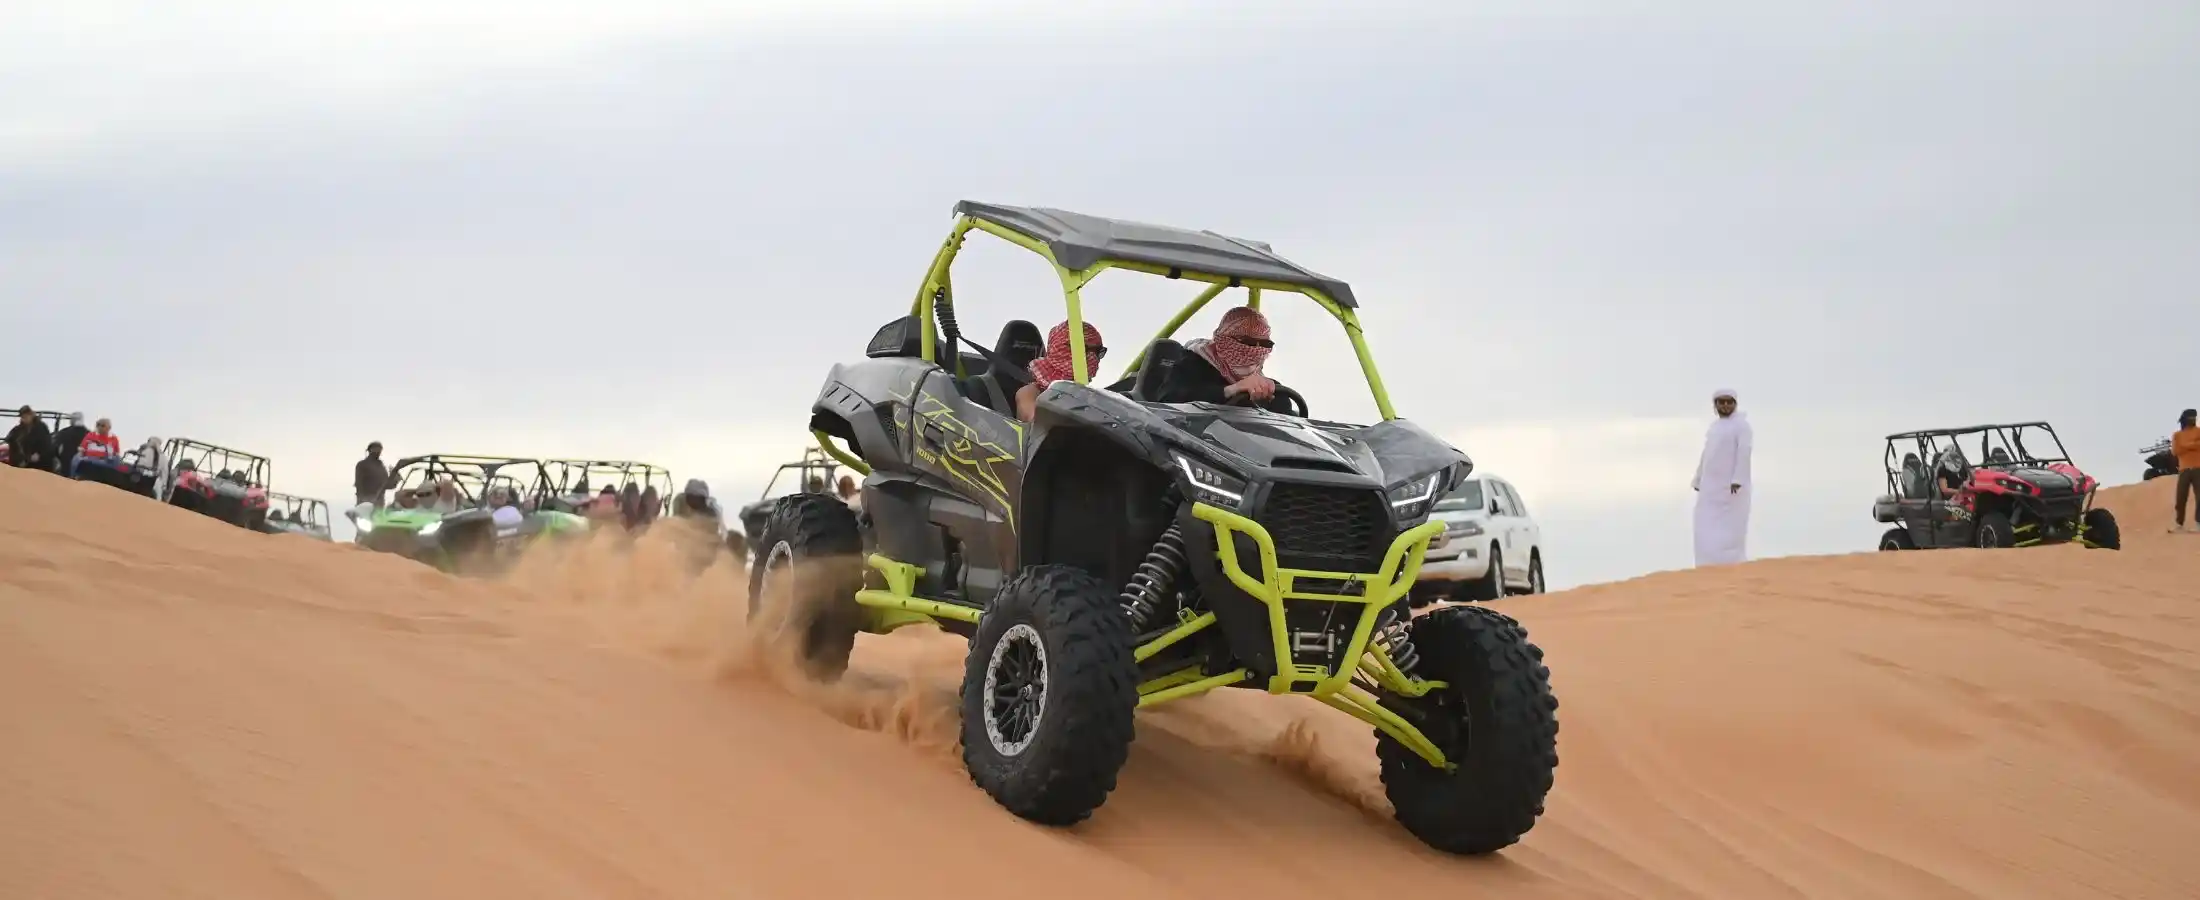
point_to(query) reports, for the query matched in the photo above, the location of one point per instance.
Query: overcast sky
(646, 229)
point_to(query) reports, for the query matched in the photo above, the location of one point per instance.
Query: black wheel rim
(1015, 689)
(777, 563)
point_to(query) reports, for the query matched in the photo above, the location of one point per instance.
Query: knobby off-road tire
(2101, 529)
(810, 562)
(1897, 539)
(1048, 747)
(1995, 531)
(1497, 719)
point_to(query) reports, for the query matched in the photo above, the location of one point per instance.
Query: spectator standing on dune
(30, 443)
(1722, 485)
(370, 476)
(2186, 444)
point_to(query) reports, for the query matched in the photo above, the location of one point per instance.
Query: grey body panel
(1078, 241)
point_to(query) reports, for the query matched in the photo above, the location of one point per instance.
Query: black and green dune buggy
(1119, 553)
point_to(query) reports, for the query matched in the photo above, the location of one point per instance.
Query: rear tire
(1535, 572)
(1048, 693)
(1897, 539)
(812, 568)
(2101, 529)
(1496, 720)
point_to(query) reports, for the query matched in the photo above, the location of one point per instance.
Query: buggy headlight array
(1209, 485)
(1411, 500)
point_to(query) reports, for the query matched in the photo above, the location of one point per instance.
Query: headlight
(364, 526)
(1464, 529)
(430, 528)
(1211, 486)
(1411, 500)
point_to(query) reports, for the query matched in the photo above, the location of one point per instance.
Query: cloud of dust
(675, 593)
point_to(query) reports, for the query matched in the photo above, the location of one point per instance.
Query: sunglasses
(1262, 343)
(1095, 351)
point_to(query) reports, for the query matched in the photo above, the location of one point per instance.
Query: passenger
(100, 448)
(695, 502)
(447, 499)
(67, 442)
(816, 485)
(652, 506)
(1231, 362)
(1056, 365)
(30, 442)
(406, 499)
(149, 464)
(849, 494)
(606, 507)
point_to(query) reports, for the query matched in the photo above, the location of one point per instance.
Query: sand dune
(194, 711)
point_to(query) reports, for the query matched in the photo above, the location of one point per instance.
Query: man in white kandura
(1722, 486)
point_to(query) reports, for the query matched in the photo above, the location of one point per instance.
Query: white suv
(1490, 547)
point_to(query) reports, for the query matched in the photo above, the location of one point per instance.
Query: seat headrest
(1020, 343)
(1153, 371)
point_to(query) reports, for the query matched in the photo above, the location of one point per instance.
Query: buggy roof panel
(1968, 429)
(1079, 241)
(460, 459)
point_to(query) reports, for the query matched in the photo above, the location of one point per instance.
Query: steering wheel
(1291, 399)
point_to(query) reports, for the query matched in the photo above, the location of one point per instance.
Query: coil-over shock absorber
(1155, 581)
(1392, 632)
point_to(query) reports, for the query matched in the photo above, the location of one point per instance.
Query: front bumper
(1279, 591)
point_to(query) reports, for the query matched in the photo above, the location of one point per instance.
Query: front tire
(1496, 721)
(807, 578)
(1995, 531)
(1048, 693)
(1535, 572)
(1897, 539)
(2101, 529)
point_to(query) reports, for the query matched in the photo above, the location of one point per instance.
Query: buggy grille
(1326, 528)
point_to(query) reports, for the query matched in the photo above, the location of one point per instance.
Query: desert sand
(195, 711)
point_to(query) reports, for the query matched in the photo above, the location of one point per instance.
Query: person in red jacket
(100, 447)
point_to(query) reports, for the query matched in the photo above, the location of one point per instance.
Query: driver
(501, 511)
(1216, 369)
(1056, 365)
(1951, 472)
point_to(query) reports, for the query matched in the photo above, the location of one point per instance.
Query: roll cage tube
(938, 282)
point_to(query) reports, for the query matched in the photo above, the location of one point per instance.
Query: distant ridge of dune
(197, 711)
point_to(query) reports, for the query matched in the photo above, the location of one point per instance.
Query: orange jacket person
(2186, 444)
